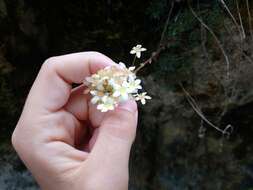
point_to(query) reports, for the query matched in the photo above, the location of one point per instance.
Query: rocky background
(200, 79)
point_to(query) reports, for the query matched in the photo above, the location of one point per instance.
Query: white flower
(123, 66)
(97, 96)
(121, 91)
(107, 104)
(142, 97)
(134, 85)
(137, 50)
(95, 99)
(114, 84)
(91, 80)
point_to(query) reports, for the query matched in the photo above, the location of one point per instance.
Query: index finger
(53, 84)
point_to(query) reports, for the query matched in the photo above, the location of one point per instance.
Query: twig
(196, 108)
(240, 19)
(166, 23)
(232, 17)
(152, 58)
(161, 45)
(249, 59)
(215, 37)
(134, 60)
(203, 42)
(205, 52)
(249, 18)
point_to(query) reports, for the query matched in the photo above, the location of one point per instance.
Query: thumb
(115, 137)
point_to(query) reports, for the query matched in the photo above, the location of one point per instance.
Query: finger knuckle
(49, 64)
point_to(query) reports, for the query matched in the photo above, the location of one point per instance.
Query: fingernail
(129, 105)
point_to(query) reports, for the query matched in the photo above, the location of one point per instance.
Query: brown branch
(161, 46)
(153, 56)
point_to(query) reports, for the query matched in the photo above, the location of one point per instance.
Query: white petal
(131, 68)
(143, 101)
(137, 98)
(95, 76)
(139, 87)
(125, 84)
(111, 107)
(125, 96)
(100, 106)
(122, 65)
(93, 92)
(116, 86)
(137, 81)
(132, 51)
(139, 46)
(148, 97)
(105, 78)
(104, 110)
(100, 87)
(95, 99)
(138, 54)
(104, 98)
(116, 94)
(111, 81)
(143, 49)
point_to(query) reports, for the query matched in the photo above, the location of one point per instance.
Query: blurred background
(200, 78)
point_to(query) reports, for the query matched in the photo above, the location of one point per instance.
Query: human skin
(64, 140)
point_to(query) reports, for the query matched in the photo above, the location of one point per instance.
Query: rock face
(202, 79)
(14, 175)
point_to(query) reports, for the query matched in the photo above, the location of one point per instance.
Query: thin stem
(233, 18)
(240, 19)
(249, 59)
(153, 57)
(134, 60)
(215, 37)
(250, 18)
(196, 108)
(161, 45)
(166, 23)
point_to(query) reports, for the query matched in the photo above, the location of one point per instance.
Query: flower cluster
(113, 85)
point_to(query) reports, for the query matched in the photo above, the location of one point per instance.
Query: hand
(65, 141)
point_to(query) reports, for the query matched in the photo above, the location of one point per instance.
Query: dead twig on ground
(197, 109)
